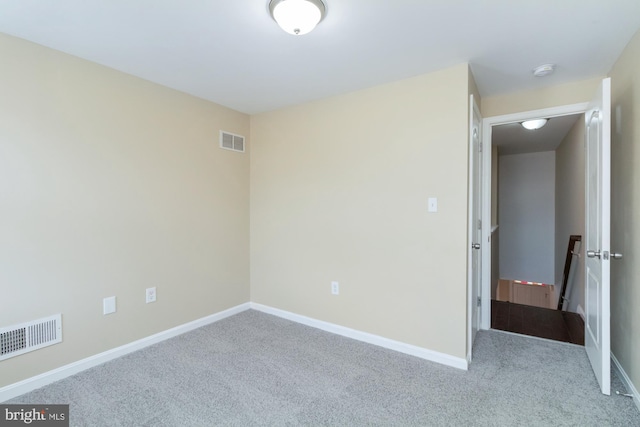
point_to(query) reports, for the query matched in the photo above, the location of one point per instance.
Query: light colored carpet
(256, 369)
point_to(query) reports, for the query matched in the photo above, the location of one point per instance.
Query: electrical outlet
(335, 288)
(151, 295)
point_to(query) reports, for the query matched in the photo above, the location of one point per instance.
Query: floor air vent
(29, 336)
(231, 141)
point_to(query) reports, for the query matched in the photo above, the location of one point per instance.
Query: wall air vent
(231, 141)
(29, 336)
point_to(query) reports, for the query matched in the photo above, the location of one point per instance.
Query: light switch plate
(109, 305)
(433, 204)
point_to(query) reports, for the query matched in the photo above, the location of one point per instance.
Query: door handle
(593, 254)
(475, 245)
(616, 255)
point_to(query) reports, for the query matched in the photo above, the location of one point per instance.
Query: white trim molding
(29, 384)
(423, 353)
(626, 380)
(13, 390)
(487, 124)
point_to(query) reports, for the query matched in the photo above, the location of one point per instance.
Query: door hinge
(480, 147)
(479, 301)
(479, 224)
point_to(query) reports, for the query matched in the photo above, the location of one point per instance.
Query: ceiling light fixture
(297, 17)
(544, 70)
(534, 124)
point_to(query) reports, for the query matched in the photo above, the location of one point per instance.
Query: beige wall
(625, 210)
(110, 184)
(554, 96)
(570, 195)
(339, 191)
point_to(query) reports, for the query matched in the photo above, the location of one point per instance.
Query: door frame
(487, 124)
(474, 110)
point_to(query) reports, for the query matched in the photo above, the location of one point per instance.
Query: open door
(475, 225)
(597, 206)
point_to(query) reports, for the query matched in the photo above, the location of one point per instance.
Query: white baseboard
(423, 353)
(29, 384)
(580, 311)
(626, 380)
(25, 386)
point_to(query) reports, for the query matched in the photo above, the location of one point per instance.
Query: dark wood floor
(537, 322)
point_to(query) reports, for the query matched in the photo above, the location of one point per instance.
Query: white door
(598, 189)
(475, 230)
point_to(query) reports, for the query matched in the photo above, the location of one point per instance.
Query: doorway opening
(537, 197)
(597, 210)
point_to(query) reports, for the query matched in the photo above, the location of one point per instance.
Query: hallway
(538, 322)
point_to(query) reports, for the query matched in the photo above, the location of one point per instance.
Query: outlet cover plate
(335, 288)
(151, 295)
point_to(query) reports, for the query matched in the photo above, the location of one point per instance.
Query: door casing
(487, 124)
(475, 154)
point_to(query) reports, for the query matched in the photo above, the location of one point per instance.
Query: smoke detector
(544, 70)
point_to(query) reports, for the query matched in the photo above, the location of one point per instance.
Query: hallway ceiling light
(297, 17)
(544, 70)
(534, 124)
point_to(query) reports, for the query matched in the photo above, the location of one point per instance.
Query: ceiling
(512, 138)
(232, 53)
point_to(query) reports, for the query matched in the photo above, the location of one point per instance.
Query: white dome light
(544, 70)
(534, 124)
(297, 17)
